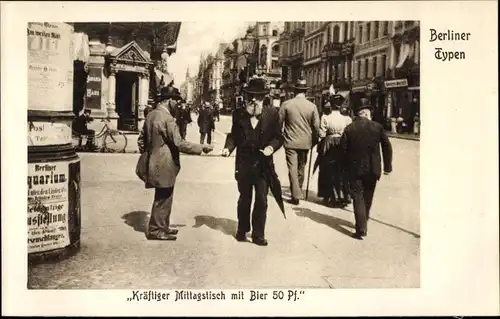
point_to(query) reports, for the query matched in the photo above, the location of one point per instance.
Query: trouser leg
(293, 174)
(161, 210)
(244, 204)
(369, 185)
(259, 213)
(357, 190)
(209, 137)
(202, 138)
(302, 160)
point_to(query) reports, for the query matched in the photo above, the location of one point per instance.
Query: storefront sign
(46, 133)
(94, 86)
(48, 227)
(359, 89)
(50, 66)
(396, 83)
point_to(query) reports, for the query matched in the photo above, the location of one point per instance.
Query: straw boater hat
(301, 85)
(256, 86)
(364, 105)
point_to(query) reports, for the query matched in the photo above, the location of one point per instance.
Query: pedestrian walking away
(183, 118)
(159, 164)
(330, 181)
(300, 119)
(206, 123)
(361, 142)
(256, 135)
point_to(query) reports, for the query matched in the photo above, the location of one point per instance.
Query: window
(275, 33)
(383, 65)
(346, 36)
(368, 31)
(328, 35)
(360, 34)
(375, 69)
(336, 33)
(358, 70)
(366, 68)
(376, 29)
(264, 30)
(385, 26)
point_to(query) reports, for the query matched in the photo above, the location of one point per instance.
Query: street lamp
(248, 43)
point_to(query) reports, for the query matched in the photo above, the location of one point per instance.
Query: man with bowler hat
(361, 143)
(159, 164)
(256, 135)
(301, 129)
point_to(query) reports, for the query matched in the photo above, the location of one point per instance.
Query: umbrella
(275, 187)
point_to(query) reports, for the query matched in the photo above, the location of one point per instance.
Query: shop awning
(81, 49)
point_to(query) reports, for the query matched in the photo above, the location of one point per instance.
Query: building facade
(371, 60)
(187, 88)
(403, 77)
(126, 65)
(291, 56)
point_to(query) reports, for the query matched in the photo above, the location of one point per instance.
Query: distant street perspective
(311, 248)
(224, 155)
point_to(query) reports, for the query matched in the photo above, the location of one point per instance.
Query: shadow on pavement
(138, 220)
(311, 198)
(395, 227)
(330, 221)
(224, 225)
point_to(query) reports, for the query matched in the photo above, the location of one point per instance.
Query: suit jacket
(163, 145)
(301, 120)
(206, 120)
(361, 143)
(269, 134)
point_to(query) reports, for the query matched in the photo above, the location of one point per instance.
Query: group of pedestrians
(349, 162)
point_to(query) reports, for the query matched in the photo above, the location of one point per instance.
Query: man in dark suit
(206, 123)
(256, 135)
(361, 142)
(159, 164)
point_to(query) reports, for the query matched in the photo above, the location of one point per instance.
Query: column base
(113, 117)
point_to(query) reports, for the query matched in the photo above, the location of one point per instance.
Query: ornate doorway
(127, 100)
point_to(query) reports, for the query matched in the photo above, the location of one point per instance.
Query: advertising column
(53, 212)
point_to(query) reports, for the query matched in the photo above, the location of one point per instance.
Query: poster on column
(50, 66)
(47, 206)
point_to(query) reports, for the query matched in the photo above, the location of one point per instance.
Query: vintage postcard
(250, 158)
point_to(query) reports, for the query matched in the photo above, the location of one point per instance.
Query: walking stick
(309, 172)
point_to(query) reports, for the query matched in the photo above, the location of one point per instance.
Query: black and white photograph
(242, 160)
(304, 144)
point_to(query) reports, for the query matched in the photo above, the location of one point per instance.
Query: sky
(200, 37)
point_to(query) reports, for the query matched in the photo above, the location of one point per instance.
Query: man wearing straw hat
(301, 129)
(361, 142)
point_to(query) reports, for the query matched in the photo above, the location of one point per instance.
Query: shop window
(375, 64)
(383, 64)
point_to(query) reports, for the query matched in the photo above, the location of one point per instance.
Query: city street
(311, 248)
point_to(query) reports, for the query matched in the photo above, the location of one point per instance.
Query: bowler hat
(169, 92)
(256, 86)
(301, 85)
(364, 105)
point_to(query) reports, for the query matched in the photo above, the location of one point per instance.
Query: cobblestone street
(311, 248)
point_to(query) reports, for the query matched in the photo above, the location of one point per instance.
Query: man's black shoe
(161, 237)
(172, 232)
(241, 236)
(259, 241)
(358, 236)
(294, 201)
